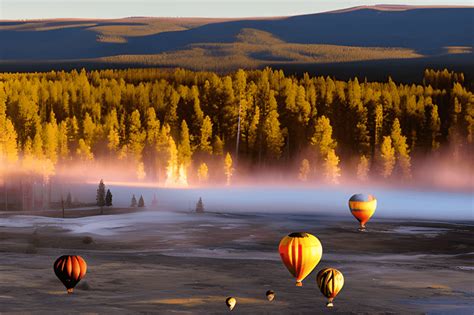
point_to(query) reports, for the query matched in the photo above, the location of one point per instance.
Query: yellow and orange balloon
(330, 282)
(300, 252)
(362, 207)
(270, 295)
(70, 270)
(230, 302)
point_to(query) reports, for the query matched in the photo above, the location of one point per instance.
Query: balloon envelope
(70, 270)
(362, 207)
(330, 282)
(270, 295)
(230, 302)
(300, 252)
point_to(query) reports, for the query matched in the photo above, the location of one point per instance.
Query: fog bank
(327, 200)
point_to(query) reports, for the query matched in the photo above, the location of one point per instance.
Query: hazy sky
(28, 9)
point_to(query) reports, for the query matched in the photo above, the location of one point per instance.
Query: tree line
(167, 123)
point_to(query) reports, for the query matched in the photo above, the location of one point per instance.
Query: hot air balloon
(362, 208)
(70, 270)
(330, 282)
(270, 295)
(230, 302)
(300, 252)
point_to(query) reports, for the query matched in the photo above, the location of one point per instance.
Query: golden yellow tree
(141, 174)
(387, 154)
(203, 173)
(332, 171)
(206, 135)
(84, 151)
(304, 170)
(228, 169)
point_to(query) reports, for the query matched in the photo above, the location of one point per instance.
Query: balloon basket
(299, 284)
(70, 291)
(329, 304)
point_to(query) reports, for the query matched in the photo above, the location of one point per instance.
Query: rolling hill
(357, 35)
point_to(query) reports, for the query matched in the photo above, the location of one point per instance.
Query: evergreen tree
(378, 124)
(434, 127)
(100, 198)
(162, 149)
(133, 203)
(108, 198)
(113, 140)
(401, 149)
(332, 172)
(37, 146)
(304, 107)
(141, 202)
(137, 135)
(199, 206)
(387, 154)
(171, 115)
(184, 147)
(198, 113)
(203, 175)
(8, 146)
(89, 130)
(228, 170)
(152, 126)
(84, 151)
(51, 139)
(63, 145)
(206, 135)
(322, 137)
(172, 168)
(8, 135)
(218, 146)
(73, 133)
(273, 136)
(253, 128)
(27, 117)
(362, 137)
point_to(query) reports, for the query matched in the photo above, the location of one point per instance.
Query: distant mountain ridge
(398, 7)
(405, 31)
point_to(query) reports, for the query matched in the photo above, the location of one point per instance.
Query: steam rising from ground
(439, 189)
(436, 171)
(318, 200)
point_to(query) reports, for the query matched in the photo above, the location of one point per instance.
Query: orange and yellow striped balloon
(362, 208)
(330, 282)
(300, 252)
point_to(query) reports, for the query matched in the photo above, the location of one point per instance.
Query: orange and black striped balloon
(330, 282)
(300, 252)
(70, 270)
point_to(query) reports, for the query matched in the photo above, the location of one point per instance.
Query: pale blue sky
(32, 9)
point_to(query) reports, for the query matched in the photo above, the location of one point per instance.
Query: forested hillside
(167, 124)
(419, 37)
